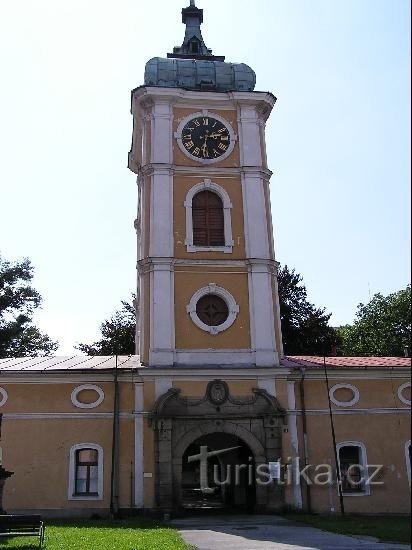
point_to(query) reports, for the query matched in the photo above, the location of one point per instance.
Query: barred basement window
(212, 310)
(353, 469)
(87, 475)
(208, 220)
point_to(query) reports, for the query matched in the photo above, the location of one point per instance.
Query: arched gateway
(185, 425)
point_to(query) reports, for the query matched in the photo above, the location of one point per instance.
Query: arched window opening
(208, 219)
(86, 472)
(353, 467)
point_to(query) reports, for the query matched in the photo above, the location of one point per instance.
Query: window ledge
(85, 497)
(226, 249)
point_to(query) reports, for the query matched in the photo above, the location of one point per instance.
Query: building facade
(208, 413)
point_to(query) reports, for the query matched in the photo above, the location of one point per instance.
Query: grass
(384, 528)
(129, 534)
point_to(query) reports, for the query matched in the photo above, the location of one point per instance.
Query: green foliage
(129, 534)
(118, 334)
(382, 327)
(305, 328)
(18, 301)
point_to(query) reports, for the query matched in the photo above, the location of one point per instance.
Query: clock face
(205, 138)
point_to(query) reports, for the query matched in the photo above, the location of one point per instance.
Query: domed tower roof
(193, 66)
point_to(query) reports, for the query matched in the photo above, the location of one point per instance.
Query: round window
(212, 310)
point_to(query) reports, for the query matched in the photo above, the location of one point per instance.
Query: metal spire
(193, 46)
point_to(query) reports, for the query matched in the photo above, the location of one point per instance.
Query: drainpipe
(305, 436)
(114, 479)
(335, 452)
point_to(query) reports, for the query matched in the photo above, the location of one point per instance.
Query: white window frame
(364, 463)
(232, 306)
(83, 387)
(3, 397)
(407, 460)
(72, 472)
(209, 185)
(349, 403)
(400, 393)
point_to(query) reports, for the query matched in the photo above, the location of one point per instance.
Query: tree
(305, 328)
(118, 334)
(18, 300)
(382, 327)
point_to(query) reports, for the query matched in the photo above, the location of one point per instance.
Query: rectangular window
(86, 478)
(352, 472)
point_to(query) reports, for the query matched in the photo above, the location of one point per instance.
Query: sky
(338, 142)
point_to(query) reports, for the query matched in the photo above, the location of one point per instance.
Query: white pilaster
(254, 213)
(161, 132)
(138, 446)
(262, 315)
(249, 136)
(294, 441)
(162, 334)
(161, 213)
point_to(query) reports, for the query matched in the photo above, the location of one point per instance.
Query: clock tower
(207, 287)
(208, 332)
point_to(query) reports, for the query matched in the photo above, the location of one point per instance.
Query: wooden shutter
(208, 220)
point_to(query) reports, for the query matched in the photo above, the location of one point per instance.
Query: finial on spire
(193, 46)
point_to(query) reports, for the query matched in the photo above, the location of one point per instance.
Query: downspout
(114, 480)
(335, 452)
(305, 436)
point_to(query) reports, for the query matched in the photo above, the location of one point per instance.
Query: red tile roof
(343, 362)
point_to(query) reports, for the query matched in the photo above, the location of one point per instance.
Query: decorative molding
(72, 472)
(400, 393)
(188, 118)
(213, 288)
(84, 387)
(3, 397)
(207, 184)
(349, 403)
(173, 405)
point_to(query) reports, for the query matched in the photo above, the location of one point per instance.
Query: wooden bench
(22, 526)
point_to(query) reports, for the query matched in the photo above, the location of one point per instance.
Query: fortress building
(209, 390)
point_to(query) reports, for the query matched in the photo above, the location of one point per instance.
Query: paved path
(246, 532)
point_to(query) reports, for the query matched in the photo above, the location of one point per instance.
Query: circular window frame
(186, 119)
(212, 288)
(401, 397)
(3, 397)
(349, 403)
(94, 404)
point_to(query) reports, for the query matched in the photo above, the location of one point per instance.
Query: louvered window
(208, 220)
(212, 310)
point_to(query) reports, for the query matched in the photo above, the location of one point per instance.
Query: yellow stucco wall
(188, 280)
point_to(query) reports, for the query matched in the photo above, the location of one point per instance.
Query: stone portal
(185, 425)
